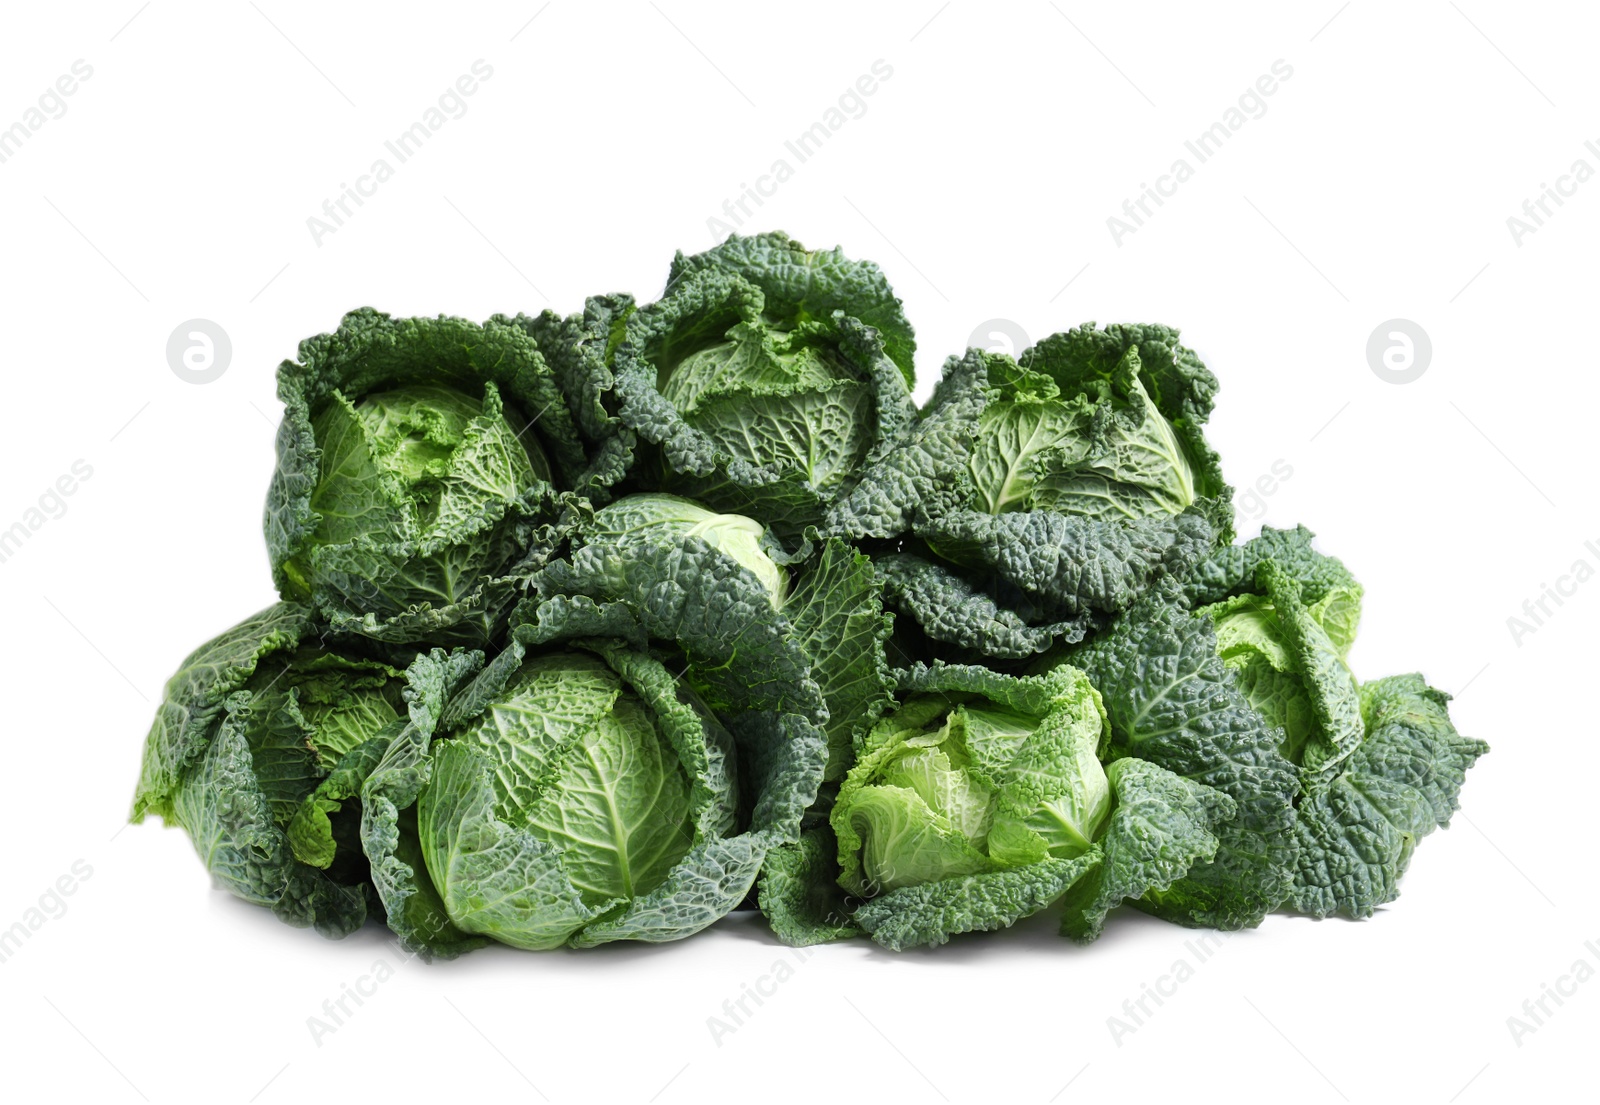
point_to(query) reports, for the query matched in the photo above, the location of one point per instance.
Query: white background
(1377, 185)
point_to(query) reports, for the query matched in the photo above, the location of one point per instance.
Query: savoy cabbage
(602, 626)
(1380, 763)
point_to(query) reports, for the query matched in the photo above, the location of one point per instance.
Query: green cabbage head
(1381, 764)
(974, 804)
(413, 468)
(767, 376)
(945, 790)
(262, 740)
(1088, 478)
(571, 806)
(417, 462)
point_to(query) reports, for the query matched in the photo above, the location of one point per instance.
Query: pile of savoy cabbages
(600, 627)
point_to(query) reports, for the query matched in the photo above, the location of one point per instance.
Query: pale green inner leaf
(577, 760)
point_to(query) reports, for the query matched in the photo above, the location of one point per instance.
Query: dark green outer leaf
(1172, 701)
(697, 313)
(925, 474)
(930, 913)
(836, 610)
(579, 349)
(1034, 695)
(415, 911)
(1081, 565)
(949, 609)
(783, 756)
(1163, 824)
(225, 812)
(396, 595)
(195, 696)
(1357, 835)
(1232, 569)
(742, 653)
(799, 891)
